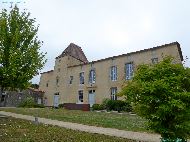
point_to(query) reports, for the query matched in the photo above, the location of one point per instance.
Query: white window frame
(113, 93)
(113, 73)
(129, 70)
(92, 76)
(80, 92)
(81, 78)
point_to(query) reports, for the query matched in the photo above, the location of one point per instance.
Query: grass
(102, 119)
(17, 130)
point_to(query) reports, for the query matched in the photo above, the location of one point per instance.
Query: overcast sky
(105, 28)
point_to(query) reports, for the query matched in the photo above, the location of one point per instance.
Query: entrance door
(91, 97)
(56, 101)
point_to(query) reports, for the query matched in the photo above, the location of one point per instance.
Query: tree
(20, 56)
(161, 94)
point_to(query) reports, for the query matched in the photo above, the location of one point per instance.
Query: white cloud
(105, 28)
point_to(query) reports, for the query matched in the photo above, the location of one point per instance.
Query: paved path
(139, 136)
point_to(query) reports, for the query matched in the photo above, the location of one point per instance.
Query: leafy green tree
(20, 56)
(161, 94)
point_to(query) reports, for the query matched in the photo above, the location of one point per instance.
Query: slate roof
(75, 51)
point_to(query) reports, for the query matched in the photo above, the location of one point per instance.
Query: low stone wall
(73, 106)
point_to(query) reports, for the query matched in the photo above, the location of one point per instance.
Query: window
(113, 93)
(71, 80)
(81, 76)
(56, 93)
(113, 73)
(46, 84)
(57, 80)
(92, 76)
(154, 60)
(129, 71)
(80, 93)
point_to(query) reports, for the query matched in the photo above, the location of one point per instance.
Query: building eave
(140, 51)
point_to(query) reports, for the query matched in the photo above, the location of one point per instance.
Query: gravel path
(138, 136)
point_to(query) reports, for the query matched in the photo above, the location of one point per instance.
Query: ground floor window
(113, 93)
(80, 96)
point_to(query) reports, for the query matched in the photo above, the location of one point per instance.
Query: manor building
(76, 80)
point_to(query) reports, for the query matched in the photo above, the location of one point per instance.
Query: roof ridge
(75, 51)
(143, 50)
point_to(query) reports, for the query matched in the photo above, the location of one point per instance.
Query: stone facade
(14, 98)
(75, 80)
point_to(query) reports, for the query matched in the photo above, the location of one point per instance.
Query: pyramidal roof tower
(75, 51)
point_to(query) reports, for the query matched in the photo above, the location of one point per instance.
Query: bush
(98, 107)
(118, 105)
(30, 103)
(104, 103)
(61, 106)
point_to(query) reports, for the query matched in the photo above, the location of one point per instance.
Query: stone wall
(14, 98)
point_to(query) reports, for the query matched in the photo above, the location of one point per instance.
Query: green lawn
(17, 130)
(119, 121)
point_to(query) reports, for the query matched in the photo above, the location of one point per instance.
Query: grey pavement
(138, 136)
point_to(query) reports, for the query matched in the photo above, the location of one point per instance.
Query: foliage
(115, 105)
(161, 94)
(30, 103)
(35, 86)
(18, 130)
(104, 102)
(61, 106)
(98, 107)
(118, 105)
(20, 57)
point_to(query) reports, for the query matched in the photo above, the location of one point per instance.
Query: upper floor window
(71, 80)
(92, 76)
(47, 84)
(113, 73)
(154, 60)
(113, 93)
(80, 96)
(57, 80)
(81, 76)
(129, 71)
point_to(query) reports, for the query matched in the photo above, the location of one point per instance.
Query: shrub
(61, 106)
(30, 103)
(104, 103)
(118, 105)
(97, 107)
